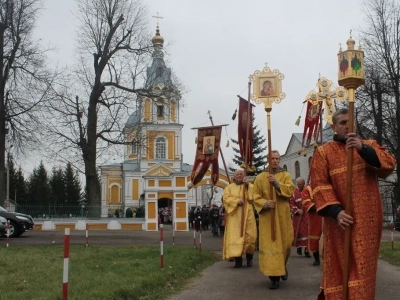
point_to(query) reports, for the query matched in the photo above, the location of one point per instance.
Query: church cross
(157, 17)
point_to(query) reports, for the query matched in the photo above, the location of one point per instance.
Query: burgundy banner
(207, 153)
(311, 122)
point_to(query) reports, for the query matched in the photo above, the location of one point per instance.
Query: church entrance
(165, 210)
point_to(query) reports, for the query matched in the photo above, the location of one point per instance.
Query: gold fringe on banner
(195, 140)
(297, 123)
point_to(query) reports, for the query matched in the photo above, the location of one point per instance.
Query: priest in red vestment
(300, 219)
(328, 181)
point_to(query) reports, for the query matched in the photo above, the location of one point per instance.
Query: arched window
(297, 168)
(134, 147)
(309, 162)
(285, 167)
(161, 148)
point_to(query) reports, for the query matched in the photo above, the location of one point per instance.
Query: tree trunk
(2, 122)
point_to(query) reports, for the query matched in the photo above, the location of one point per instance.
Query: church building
(153, 174)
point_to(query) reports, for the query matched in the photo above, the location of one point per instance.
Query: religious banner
(207, 152)
(243, 139)
(311, 122)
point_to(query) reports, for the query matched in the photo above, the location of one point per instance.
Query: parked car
(19, 223)
(3, 227)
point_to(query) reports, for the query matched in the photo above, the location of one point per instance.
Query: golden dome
(350, 43)
(157, 39)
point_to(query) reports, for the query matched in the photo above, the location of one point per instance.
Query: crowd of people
(209, 218)
(312, 216)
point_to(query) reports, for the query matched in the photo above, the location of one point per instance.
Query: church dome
(157, 39)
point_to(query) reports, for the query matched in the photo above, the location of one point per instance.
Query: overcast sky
(217, 44)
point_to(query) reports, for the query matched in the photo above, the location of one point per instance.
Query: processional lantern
(351, 76)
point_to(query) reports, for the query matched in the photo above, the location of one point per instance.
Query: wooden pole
(348, 207)
(222, 155)
(270, 171)
(247, 150)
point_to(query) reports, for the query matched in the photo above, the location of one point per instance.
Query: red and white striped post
(392, 230)
(173, 233)
(87, 235)
(200, 238)
(8, 233)
(162, 246)
(194, 234)
(66, 264)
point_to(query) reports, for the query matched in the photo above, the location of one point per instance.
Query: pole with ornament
(267, 89)
(350, 76)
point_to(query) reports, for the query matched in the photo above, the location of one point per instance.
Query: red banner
(311, 122)
(207, 153)
(244, 140)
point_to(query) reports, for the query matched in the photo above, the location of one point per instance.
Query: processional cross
(157, 17)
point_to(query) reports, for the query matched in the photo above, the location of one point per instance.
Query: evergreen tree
(73, 189)
(21, 195)
(259, 153)
(57, 186)
(38, 186)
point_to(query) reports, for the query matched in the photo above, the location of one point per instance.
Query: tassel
(234, 115)
(297, 123)
(195, 141)
(299, 152)
(227, 143)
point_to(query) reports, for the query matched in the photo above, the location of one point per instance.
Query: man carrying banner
(300, 219)
(236, 243)
(274, 253)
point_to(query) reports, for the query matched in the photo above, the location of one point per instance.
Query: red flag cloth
(243, 139)
(207, 153)
(311, 122)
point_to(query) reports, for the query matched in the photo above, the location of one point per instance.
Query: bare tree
(24, 79)
(113, 49)
(380, 113)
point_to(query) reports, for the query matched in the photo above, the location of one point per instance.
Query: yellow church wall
(171, 146)
(181, 209)
(180, 195)
(151, 182)
(169, 135)
(164, 183)
(180, 226)
(151, 226)
(152, 196)
(180, 181)
(152, 210)
(135, 189)
(114, 197)
(169, 195)
(151, 164)
(173, 115)
(170, 164)
(114, 180)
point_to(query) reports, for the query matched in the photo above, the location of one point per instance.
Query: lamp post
(351, 76)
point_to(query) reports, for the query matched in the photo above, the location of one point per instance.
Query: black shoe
(285, 277)
(238, 262)
(307, 254)
(249, 259)
(299, 252)
(316, 263)
(274, 285)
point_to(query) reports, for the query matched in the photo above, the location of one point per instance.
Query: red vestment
(300, 222)
(314, 220)
(328, 182)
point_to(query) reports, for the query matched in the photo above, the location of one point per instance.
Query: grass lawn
(99, 272)
(390, 255)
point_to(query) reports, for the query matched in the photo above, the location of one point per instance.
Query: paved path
(221, 281)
